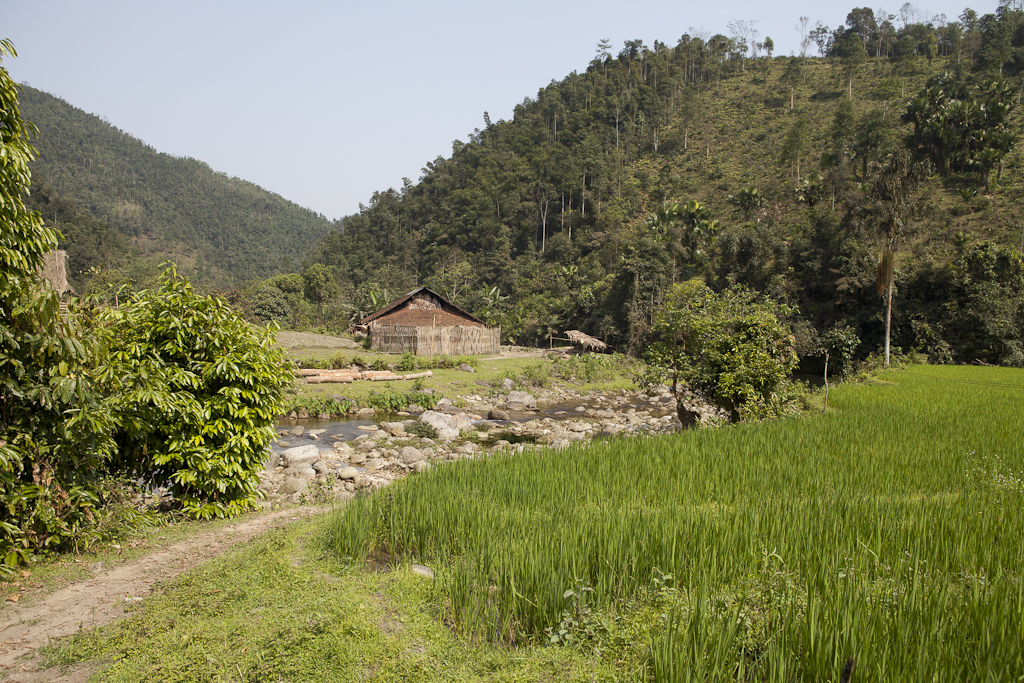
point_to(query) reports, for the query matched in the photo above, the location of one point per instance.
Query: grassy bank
(580, 373)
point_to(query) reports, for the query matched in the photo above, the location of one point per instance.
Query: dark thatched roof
(586, 341)
(448, 314)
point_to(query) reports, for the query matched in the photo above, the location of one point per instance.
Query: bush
(392, 402)
(422, 430)
(731, 349)
(195, 391)
(589, 367)
(318, 405)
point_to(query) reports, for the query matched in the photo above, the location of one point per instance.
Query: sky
(325, 102)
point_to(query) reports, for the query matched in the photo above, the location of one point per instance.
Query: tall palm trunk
(886, 275)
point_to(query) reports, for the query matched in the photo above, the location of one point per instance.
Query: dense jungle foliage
(714, 158)
(874, 175)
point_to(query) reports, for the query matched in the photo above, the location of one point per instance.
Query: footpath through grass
(887, 533)
(283, 608)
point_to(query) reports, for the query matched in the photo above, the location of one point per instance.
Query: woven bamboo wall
(435, 341)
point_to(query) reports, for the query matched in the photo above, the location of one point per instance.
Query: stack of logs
(315, 376)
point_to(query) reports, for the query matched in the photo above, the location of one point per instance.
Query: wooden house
(424, 323)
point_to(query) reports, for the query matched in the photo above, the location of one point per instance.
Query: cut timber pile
(347, 376)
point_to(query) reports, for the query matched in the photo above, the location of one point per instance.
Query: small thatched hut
(426, 324)
(584, 342)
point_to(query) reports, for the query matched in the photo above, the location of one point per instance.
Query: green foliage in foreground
(890, 530)
(52, 441)
(196, 391)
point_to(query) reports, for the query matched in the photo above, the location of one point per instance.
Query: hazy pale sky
(327, 102)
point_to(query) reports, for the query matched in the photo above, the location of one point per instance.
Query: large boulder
(448, 426)
(520, 400)
(300, 455)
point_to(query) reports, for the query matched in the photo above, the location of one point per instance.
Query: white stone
(300, 455)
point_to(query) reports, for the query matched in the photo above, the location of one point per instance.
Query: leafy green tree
(792, 76)
(890, 214)
(690, 231)
(852, 55)
(961, 128)
(54, 440)
(195, 390)
(747, 200)
(730, 349)
(318, 286)
(795, 144)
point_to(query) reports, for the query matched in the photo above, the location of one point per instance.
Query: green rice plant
(882, 536)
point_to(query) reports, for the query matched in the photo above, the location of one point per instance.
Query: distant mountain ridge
(220, 230)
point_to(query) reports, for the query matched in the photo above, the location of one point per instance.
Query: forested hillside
(220, 230)
(811, 178)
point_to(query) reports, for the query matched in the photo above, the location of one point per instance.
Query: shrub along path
(103, 598)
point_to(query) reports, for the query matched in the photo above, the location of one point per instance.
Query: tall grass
(885, 535)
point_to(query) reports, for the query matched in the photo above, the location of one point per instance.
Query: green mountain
(792, 176)
(219, 230)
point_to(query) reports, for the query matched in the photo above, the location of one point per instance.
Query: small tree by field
(731, 349)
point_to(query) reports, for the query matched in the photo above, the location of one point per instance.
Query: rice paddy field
(882, 540)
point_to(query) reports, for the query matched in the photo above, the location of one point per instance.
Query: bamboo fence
(435, 341)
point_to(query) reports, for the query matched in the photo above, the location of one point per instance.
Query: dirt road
(103, 597)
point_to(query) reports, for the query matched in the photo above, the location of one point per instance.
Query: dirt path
(103, 597)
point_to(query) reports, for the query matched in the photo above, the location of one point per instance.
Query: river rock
(374, 464)
(300, 455)
(507, 384)
(466, 367)
(297, 431)
(393, 428)
(497, 415)
(448, 426)
(293, 485)
(306, 472)
(322, 466)
(520, 400)
(421, 570)
(348, 473)
(421, 466)
(410, 455)
(357, 458)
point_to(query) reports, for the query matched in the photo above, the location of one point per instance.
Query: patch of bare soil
(103, 598)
